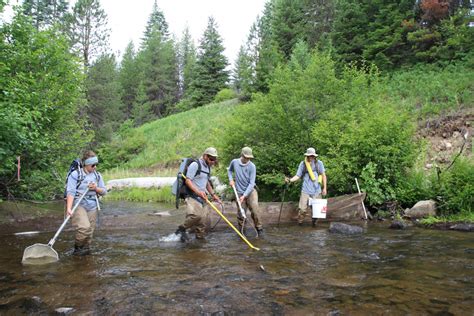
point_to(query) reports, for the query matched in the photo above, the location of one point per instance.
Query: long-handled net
(41, 253)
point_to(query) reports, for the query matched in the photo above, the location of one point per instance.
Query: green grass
(162, 195)
(456, 218)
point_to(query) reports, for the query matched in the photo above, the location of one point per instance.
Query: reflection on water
(299, 270)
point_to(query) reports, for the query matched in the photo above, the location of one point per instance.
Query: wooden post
(362, 201)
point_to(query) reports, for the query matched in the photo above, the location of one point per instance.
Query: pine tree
(186, 61)
(288, 24)
(88, 30)
(130, 76)
(242, 77)
(103, 96)
(211, 75)
(160, 73)
(156, 22)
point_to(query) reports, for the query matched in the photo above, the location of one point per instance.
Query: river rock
(398, 224)
(464, 227)
(422, 209)
(341, 228)
(64, 310)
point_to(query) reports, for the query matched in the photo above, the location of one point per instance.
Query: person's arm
(212, 193)
(230, 170)
(101, 189)
(71, 191)
(190, 174)
(249, 189)
(298, 175)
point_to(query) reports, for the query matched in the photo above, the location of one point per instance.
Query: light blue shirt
(89, 202)
(200, 180)
(245, 175)
(309, 186)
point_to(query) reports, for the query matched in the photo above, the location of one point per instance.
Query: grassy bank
(162, 195)
(155, 148)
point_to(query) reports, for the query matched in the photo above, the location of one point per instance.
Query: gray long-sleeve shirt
(89, 202)
(245, 175)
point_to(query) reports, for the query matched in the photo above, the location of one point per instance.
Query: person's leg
(80, 221)
(92, 216)
(302, 207)
(252, 203)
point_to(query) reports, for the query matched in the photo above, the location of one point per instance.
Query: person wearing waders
(245, 174)
(311, 187)
(85, 216)
(198, 185)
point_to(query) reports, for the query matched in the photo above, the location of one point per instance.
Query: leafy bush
(455, 189)
(224, 95)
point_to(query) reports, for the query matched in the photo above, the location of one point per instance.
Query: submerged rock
(341, 228)
(64, 310)
(398, 224)
(464, 227)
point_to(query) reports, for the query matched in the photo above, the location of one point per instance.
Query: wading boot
(260, 232)
(314, 221)
(81, 250)
(181, 231)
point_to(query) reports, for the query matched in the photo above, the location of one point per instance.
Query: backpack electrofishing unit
(76, 164)
(179, 188)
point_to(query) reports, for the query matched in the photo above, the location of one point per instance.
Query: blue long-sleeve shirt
(245, 175)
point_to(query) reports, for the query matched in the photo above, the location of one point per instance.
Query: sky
(127, 20)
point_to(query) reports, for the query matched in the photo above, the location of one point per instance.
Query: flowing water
(138, 267)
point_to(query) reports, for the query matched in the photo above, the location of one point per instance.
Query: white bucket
(319, 206)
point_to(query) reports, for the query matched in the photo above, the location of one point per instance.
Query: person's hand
(242, 199)
(202, 195)
(287, 180)
(216, 198)
(92, 186)
(324, 192)
(69, 212)
(231, 183)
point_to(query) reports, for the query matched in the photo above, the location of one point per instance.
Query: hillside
(155, 148)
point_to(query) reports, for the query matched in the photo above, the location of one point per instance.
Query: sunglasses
(212, 158)
(94, 165)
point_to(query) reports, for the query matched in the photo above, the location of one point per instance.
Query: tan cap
(311, 152)
(211, 151)
(247, 152)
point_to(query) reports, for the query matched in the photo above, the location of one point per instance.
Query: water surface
(136, 268)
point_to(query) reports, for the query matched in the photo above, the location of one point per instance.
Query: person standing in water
(311, 170)
(245, 174)
(198, 185)
(84, 218)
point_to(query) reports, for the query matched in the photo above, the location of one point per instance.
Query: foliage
(103, 95)
(160, 75)
(224, 95)
(40, 102)
(88, 30)
(210, 72)
(278, 125)
(455, 188)
(129, 78)
(45, 13)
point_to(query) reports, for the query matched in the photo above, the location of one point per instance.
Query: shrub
(455, 188)
(224, 95)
